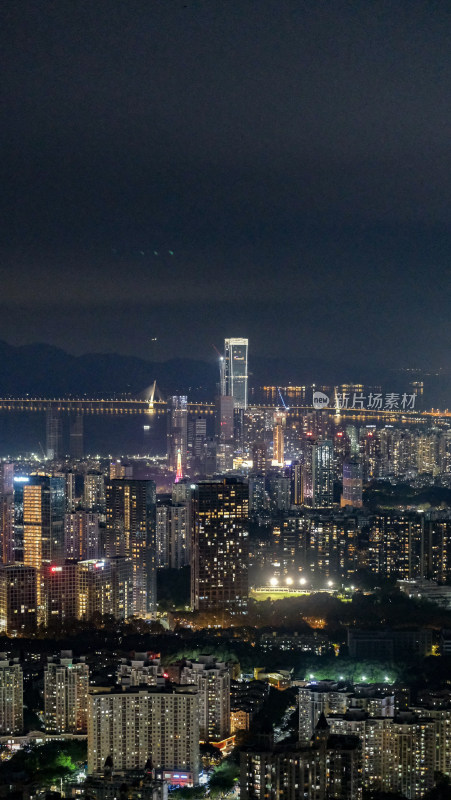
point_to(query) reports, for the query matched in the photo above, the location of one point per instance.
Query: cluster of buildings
(61, 565)
(300, 545)
(148, 715)
(80, 542)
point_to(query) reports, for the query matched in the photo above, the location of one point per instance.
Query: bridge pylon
(151, 394)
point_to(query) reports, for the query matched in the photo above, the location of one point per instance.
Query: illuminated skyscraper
(236, 370)
(69, 487)
(133, 724)
(81, 535)
(219, 554)
(177, 436)
(11, 696)
(7, 512)
(131, 531)
(325, 767)
(60, 593)
(173, 534)
(44, 505)
(105, 587)
(94, 492)
(280, 420)
(197, 435)
(18, 599)
(213, 686)
(259, 457)
(296, 484)
(322, 474)
(66, 683)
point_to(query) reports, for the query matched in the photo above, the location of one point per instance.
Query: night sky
(189, 170)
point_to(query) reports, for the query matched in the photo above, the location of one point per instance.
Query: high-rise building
(259, 457)
(60, 598)
(81, 535)
(296, 484)
(76, 437)
(352, 484)
(66, 683)
(280, 420)
(399, 753)
(218, 559)
(235, 357)
(225, 405)
(225, 432)
(327, 767)
(197, 435)
(132, 725)
(8, 552)
(177, 436)
(131, 532)
(18, 599)
(257, 494)
(69, 488)
(54, 434)
(279, 492)
(322, 474)
(11, 696)
(173, 535)
(213, 686)
(94, 492)
(105, 587)
(44, 505)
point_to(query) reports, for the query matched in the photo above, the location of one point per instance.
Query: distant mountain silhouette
(43, 370)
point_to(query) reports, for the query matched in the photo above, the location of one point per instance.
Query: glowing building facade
(219, 577)
(235, 358)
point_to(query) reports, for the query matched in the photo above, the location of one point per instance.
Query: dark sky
(294, 156)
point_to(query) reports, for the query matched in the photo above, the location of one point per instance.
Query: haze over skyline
(190, 171)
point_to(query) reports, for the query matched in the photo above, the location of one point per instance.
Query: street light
(274, 581)
(302, 581)
(289, 581)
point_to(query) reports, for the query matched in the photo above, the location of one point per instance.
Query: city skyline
(225, 400)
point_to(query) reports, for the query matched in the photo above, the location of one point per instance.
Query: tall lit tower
(280, 420)
(131, 532)
(177, 432)
(219, 577)
(179, 473)
(236, 370)
(44, 505)
(322, 474)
